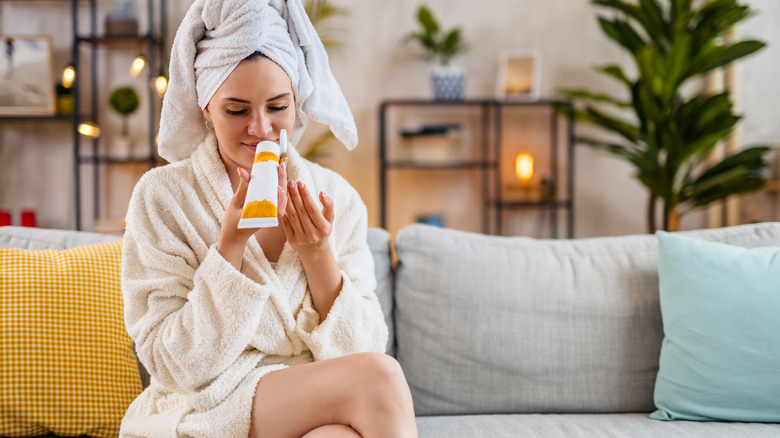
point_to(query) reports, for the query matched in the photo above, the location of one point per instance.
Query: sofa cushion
(66, 362)
(583, 426)
(42, 238)
(379, 242)
(720, 358)
(488, 324)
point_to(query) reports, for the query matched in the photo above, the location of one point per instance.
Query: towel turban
(215, 36)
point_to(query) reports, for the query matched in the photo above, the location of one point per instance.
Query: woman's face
(253, 104)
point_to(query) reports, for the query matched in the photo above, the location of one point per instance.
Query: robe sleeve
(190, 313)
(355, 322)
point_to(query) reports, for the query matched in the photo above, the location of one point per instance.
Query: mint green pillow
(720, 358)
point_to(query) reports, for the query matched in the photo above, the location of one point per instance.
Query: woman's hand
(232, 240)
(307, 228)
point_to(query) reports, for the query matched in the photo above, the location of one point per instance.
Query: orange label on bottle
(266, 156)
(262, 208)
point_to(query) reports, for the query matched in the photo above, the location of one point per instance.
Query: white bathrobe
(206, 332)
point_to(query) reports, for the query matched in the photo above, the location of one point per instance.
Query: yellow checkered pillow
(66, 362)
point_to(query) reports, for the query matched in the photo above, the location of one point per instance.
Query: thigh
(333, 431)
(293, 401)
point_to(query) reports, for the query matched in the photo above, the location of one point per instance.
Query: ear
(207, 113)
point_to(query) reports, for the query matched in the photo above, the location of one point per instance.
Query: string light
(161, 85)
(68, 76)
(89, 130)
(138, 66)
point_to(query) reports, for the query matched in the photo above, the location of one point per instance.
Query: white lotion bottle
(262, 196)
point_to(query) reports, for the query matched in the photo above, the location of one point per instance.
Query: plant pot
(448, 82)
(122, 146)
(65, 104)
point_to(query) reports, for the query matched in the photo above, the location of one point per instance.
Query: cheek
(229, 127)
(288, 120)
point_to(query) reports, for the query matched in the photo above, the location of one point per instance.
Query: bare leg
(333, 431)
(367, 392)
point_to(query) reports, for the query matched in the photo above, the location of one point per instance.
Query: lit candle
(524, 167)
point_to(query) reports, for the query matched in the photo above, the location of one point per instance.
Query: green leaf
(718, 56)
(613, 148)
(753, 155)
(616, 72)
(623, 33)
(655, 24)
(676, 67)
(428, 22)
(581, 94)
(620, 127)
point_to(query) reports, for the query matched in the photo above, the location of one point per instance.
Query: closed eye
(235, 113)
(278, 108)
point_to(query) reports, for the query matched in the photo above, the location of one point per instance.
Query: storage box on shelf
(454, 163)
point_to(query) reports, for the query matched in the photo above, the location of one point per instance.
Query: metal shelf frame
(490, 147)
(152, 45)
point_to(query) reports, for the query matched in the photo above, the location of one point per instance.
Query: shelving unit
(476, 172)
(149, 44)
(90, 104)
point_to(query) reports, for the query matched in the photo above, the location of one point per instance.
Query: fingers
(327, 207)
(281, 203)
(312, 221)
(243, 183)
(294, 214)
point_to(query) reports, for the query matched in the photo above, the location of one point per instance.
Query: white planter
(448, 82)
(122, 146)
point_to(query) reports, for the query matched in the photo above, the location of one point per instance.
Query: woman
(270, 332)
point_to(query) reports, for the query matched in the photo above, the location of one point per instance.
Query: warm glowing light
(138, 65)
(89, 130)
(68, 76)
(524, 167)
(161, 85)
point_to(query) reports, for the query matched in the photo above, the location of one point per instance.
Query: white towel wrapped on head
(215, 36)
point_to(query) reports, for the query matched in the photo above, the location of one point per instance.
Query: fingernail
(290, 183)
(324, 195)
(301, 185)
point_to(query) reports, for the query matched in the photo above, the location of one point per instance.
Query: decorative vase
(122, 147)
(448, 82)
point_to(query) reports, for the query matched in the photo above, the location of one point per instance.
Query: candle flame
(524, 167)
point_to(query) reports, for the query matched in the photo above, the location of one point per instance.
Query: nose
(260, 125)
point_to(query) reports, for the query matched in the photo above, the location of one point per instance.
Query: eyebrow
(235, 99)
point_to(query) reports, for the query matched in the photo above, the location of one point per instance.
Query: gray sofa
(516, 337)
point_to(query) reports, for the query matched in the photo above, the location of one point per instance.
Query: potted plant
(668, 133)
(441, 47)
(64, 103)
(124, 101)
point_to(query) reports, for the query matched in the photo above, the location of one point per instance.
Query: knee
(383, 369)
(384, 382)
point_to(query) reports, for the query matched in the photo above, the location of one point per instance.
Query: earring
(209, 127)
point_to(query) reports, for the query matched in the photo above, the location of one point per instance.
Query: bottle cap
(283, 141)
